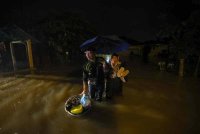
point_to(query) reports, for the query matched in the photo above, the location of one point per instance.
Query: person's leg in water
(92, 89)
(99, 91)
(109, 89)
(119, 87)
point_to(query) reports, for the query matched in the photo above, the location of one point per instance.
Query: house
(150, 48)
(17, 46)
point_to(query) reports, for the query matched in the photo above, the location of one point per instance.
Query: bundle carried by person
(121, 73)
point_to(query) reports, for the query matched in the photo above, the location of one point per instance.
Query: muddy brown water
(152, 103)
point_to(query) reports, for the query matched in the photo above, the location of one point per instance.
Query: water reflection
(36, 106)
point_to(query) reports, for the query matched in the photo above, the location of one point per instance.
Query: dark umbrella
(105, 44)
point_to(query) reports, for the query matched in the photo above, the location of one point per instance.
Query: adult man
(93, 75)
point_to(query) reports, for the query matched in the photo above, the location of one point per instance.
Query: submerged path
(153, 102)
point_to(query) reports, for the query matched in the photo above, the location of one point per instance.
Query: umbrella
(105, 44)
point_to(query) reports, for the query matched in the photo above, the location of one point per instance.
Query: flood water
(153, 103)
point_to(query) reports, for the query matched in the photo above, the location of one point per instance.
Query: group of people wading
(100, 76)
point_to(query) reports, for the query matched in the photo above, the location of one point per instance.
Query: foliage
(66, 31)
(184, 35)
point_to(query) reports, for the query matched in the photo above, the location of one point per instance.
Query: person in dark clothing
(114, 81)
(93, 75)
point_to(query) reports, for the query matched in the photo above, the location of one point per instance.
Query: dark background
(140, 20)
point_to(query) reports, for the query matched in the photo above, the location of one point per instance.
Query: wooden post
(13, 57)
(181, 67)
(30, 55)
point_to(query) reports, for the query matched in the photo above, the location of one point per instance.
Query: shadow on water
(102, 110)
(100, 119)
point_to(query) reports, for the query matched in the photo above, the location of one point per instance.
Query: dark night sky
(140, 19)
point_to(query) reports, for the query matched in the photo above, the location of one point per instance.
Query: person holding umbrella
(93, 75)
(93, 80)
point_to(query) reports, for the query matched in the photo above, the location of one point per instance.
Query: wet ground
(153, 102)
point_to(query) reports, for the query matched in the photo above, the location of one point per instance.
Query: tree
(184, 37)
(65, 32)
(191, 36)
